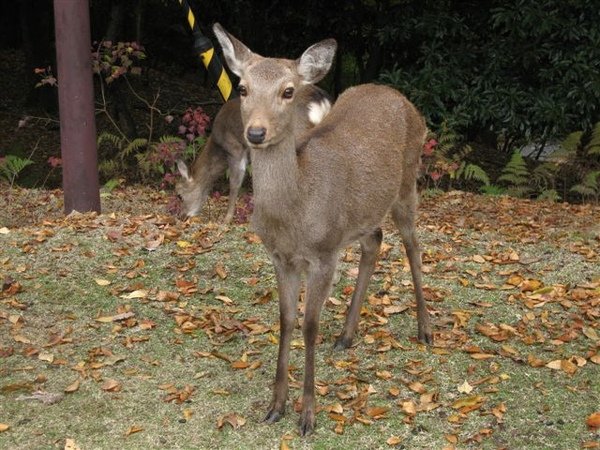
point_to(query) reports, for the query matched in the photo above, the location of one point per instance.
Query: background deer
(226, 147)
(315, 195)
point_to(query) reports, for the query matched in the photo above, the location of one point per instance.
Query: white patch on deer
(318, 110)
(243, 164)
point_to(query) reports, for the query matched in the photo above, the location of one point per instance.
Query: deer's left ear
(183, 170)
(316, 61)
(236, 54)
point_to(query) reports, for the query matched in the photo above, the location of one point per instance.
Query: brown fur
(315, 194)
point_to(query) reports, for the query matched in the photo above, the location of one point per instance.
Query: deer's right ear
(236, 54)
(183, 170)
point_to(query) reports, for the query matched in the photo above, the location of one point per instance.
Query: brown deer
(316, 194)
(226, 147)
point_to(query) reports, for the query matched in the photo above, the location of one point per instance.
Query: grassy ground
(134, 330)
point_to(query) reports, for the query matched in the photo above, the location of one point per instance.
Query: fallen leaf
(21, 339)
(101, 282)
(4, 427)
(393, 440)
(111, 385)
(70, 444)
(467, 401)
(140, 293)
(74, 386)
(220, 271)
(4, 230)
(590, 333)
(233, 419)
(465, 388)
(417, 387)
(593, 421)
(133, 429)
(46, 356)
(409, 407)
(377, 412)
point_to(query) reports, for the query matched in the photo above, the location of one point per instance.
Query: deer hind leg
(288, 283)
(404, 213)
(318, 285)
(369, 246)
(237, 172)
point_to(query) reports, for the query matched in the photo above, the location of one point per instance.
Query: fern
(589, 186)
(11, 166)
(515, 173)
(469, 171)
(593, 146)
(133, 147)
(492, 189)
(549, 195)
(110, 138)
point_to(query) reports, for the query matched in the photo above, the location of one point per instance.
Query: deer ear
(316, 61)
(236, 54)
(183, 170)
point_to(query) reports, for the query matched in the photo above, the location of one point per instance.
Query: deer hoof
(342, 343)
(426, 337)
(307, 423)
(274, 415)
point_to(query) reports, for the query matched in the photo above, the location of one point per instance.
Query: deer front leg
(369, 246)
(318, 285)
(237, 171)
(288, 285)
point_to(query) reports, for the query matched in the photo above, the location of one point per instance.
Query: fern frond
(133, 147)
(515, 172)
(110, 138)
(549, 195)
(572, 142)
(518, 191)
(475, 172)
(595, 138)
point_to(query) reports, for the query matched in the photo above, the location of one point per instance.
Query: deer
(226, 148)
(317, 193)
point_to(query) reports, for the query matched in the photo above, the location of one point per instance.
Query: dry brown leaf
(70, 444)
(593, 421)
(393, 441)
(417, 387)
(468, 401)
(235, 420)
(480, 356)
(74, 386)
(4, 427)
(409, 407)
(111, 385)
(133, 429)
(377, 412)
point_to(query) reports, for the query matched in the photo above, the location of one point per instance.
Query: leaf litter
(512, 287)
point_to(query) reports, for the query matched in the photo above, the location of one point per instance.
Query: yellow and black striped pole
(209, 58)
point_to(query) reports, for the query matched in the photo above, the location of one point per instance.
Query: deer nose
(256, 135)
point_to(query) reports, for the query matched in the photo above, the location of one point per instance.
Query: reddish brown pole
(76, 106)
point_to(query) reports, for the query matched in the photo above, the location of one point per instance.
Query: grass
(221, 313)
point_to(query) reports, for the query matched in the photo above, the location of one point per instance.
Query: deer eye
(242, 90)
(288, 93)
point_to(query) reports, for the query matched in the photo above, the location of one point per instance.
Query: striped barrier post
(209, 58)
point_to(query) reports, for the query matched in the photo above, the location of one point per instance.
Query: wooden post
(76, 106)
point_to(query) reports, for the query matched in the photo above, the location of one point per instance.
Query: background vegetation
(500, 76)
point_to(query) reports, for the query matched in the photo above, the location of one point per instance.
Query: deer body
(226, 148)
(316, 193)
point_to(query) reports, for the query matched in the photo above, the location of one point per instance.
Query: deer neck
(275, 178)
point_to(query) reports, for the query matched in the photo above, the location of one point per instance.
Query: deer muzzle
(256, 135)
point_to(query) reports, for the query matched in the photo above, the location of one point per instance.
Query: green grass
(57, 265)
